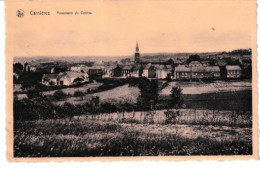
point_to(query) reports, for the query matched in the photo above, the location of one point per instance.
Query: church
(140, 67)
(150, 68)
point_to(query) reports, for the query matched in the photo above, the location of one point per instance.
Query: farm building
(108, 71)
(197, 72)
(117, 71)
(80, 68)
(70, 77)
(212, 72)
(233, 71)
(126, 70)
(64, 78)
(49, 79)
(162, 71)
(182, 72)
(95, 71)
(136, 71)
(149, 71)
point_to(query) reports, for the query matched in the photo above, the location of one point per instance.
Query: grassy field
(236, 100)
(121, 94)
(80, 137)
(204, 87)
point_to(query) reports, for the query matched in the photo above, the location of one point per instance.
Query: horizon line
(141, 53)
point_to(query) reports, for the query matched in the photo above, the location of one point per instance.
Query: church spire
(137, 54)
(137, 48)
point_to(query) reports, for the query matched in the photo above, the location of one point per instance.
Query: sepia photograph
(132, 79)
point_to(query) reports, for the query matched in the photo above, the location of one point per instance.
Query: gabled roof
(50, 76)
(212, 69)
(126, 67)
(195, 62)
(74, 74)
(71, 74)
(198, 69)
(233, 67)
(148, 66)
(163, 67)
(182, 68)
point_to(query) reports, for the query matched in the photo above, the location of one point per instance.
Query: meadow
(208, 87)
(80, 137)
(209, 123)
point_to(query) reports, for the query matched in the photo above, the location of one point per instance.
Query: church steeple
(137, 54)
(137, 48)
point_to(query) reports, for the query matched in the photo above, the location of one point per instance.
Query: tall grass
(186, 116)
(83, 138)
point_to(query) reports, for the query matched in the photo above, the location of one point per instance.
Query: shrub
(177, 97)
(78, 94)
(59, 95)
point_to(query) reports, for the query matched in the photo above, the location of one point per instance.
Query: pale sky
(115, 26)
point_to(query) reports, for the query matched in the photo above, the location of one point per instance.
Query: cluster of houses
(196, 70)
(64, 78)
(141, 68)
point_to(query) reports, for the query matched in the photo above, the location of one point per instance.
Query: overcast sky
(114, 27)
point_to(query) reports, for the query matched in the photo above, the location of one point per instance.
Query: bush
(59, 95)
(177, 97)
(78, 94)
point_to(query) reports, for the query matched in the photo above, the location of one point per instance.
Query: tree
(193, 58)
(148, 93)
(30, 79)
(17, 67)
(177, 97)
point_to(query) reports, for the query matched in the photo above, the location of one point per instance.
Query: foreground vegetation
(78, 137)
(153, 125)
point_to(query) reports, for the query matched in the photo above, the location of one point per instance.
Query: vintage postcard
(131, 80)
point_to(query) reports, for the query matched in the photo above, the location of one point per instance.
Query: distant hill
(150, 56)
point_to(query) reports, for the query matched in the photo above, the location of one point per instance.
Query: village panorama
(159, 104)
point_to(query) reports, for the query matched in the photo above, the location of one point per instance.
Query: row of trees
(37, 106)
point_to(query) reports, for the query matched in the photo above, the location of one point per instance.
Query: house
(95, 71)
(162, 71)
(149, 71)
(136, 71)
(70, 77)
(182, 72)
(117, 71)
(145, 70)
(126, 69)
(212, 72)
(233, 71)
(49, 79)
(80, 68)
(108, 71)
(197, 72)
